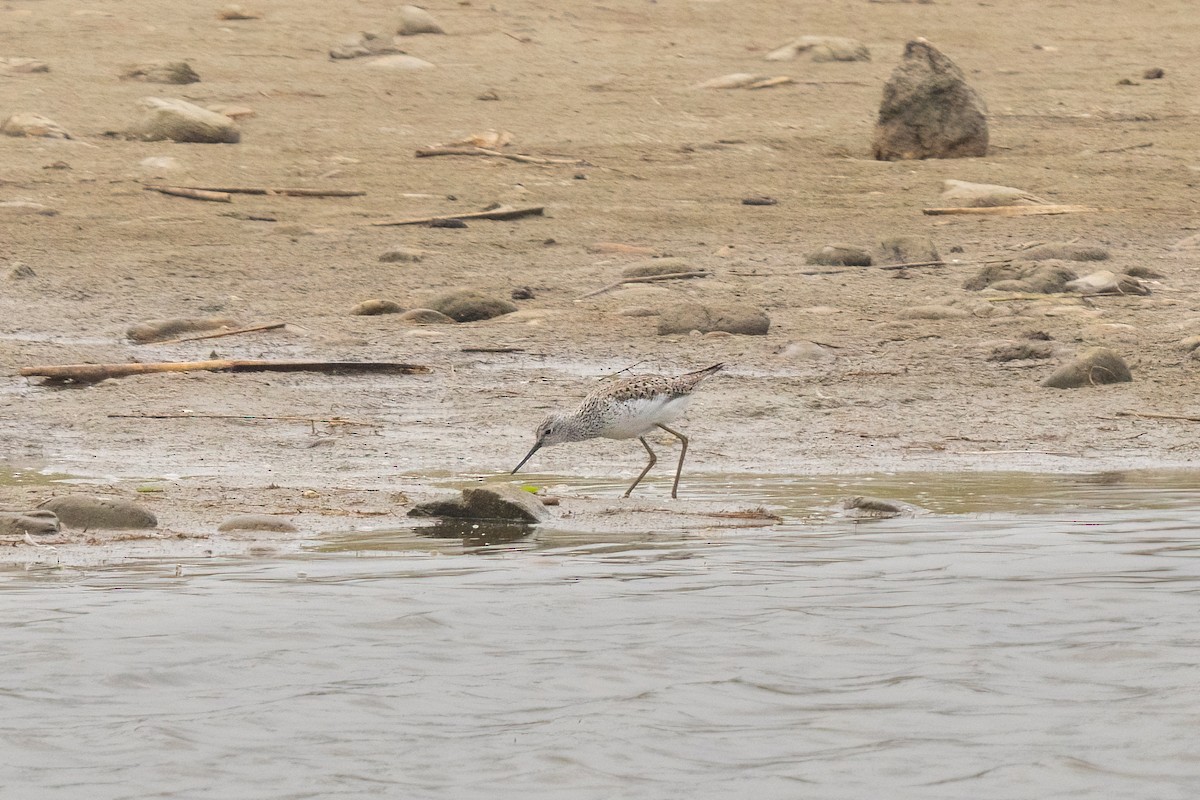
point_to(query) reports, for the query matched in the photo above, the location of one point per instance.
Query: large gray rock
(732, 318)
(1093, 367)
(1044, 277)
(181, 121)
(87, 512)
(37, 523)
(928, 110)
(468, 305)
(487, 502)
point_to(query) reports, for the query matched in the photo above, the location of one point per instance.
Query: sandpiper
(625, 409)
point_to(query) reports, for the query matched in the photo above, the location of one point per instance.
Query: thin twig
(502, 212)
(192, 194)
(1126, 147)
(492, 350)
(275, 191)
(429, 152)
(671, 276)
(1154, 415)
(234, 332)
(1009, 211)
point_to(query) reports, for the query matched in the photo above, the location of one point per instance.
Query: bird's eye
(548, 431)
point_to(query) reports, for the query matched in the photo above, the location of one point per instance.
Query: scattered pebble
(33, 125)
(929, 110)
(178, 72)
(403, 255)
(375, 307)
(963, 194)
(656, 266)
(840, 254)
(1107, 282)
(235, 12)
(415, 20)
(181, 121)
(733, 318)
(425, 316)
(761, 200)
(86, 512)
(1093, 367)
(522, 293)
(257, 522)
(156, 330)
(822, 48)
(1154, 74)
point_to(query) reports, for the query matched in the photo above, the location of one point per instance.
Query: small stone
(874, 507)
(257, 522)
(399, 62)
(1154, 74)
(806, 351)
(733, 318)
(759, 200)
(656, 266)
(235, 12)
(21, 208)
(1020, 351)
(489, 95)
(1093, 367)
(415, 20)
(403, 255)
(21, 272)
(964, 194)
(822, 48)
(929, 110)
(36, 523)
(22, 66)
(636, 311)
(177, 72)
(1107, 282)
(363, 43)
(841, 255)
(156, 330)
(375, 307)
(180, 121)
(33, 126)
(1065, 251)
(931, 312)
(468, 305)
(425, 316)
(521, 293)
(448, 507)
(447, 223)
(908, 250)
(86, 512)
(1190, 344)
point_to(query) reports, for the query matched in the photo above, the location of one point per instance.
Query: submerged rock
(1093, 367)
(487, 502)
(87, 512)
(257, 522)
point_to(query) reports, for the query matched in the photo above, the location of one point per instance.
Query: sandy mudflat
(666, 168)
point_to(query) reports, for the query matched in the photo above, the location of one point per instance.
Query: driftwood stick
(429, 152)
(211, 195)
(274, 191)
(93, 373)
(325, 420)
(503, 212)
(1010, 211)
(1153, 415)
(670, 276)
(232, 332)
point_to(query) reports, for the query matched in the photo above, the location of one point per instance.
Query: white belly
(633, 418)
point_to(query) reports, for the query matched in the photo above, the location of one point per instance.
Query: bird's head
(554, 429)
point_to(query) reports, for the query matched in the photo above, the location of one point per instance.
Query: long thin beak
(536, 447)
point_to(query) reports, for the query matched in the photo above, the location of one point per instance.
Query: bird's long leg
(653, 461)
(682, 453)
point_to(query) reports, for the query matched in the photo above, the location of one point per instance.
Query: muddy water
(1032, 639)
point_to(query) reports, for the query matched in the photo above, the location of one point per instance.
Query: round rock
(732, 318)
(180, 121)
(257, 522)
(839, 254)
(468, 305)
(415, 20)
(375, 307)
(425, 316)
(1093, 367)
(87, 512)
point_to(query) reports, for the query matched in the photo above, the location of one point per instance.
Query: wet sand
(667, 168)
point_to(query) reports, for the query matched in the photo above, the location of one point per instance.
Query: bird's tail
(701, 374)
